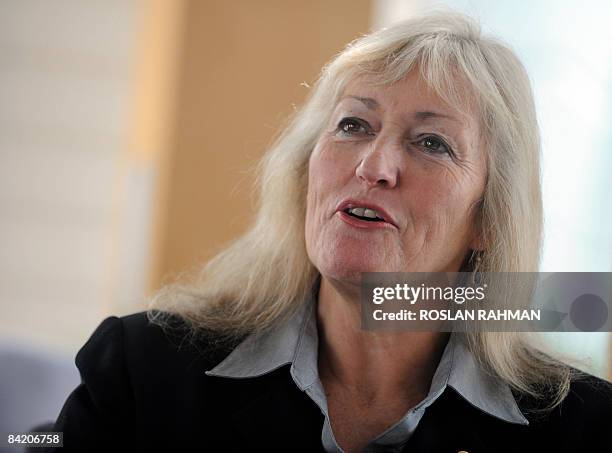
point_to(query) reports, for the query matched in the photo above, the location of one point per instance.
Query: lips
(382, 215)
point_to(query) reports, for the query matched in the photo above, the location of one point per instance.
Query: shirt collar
(296, 343)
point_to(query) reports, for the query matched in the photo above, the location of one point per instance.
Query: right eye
(353, 126)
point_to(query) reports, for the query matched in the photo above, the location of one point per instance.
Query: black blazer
(145, 388)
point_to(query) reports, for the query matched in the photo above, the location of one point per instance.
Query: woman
(417, 151)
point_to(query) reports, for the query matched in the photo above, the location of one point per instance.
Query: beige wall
(126, 133)
(241, 68)
(65, 85)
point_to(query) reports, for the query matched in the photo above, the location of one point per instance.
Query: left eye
(434, 145)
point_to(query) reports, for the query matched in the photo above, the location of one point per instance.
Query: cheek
(312, 213)
(330, 169)
(444, 200)
(320, 179)
(329, 165)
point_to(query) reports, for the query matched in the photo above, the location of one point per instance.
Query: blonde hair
(263, 276)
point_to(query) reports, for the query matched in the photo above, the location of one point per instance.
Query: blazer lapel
(279, 417)
(439, 436)
(453, 425)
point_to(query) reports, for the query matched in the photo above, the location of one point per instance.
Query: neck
(375, 365)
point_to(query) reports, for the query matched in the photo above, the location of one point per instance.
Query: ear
(478, 243)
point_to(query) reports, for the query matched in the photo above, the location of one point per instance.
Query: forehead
(410, 95)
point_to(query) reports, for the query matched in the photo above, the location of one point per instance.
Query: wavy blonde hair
(262, 277)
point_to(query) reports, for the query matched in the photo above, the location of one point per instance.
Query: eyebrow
(427, 115)
(372, 104)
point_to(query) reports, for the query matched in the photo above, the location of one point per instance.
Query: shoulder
(589, 385)
(587, 395)
(590, 396)
(136, 344)
(582, 417)
(586, 411)
(138, 378)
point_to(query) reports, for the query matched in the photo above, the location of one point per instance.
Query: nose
(379, 167)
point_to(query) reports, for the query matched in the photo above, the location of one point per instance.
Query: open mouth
(369, 215)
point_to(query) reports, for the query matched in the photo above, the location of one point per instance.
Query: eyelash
(353, 121)
(446, 149)
(368, 131)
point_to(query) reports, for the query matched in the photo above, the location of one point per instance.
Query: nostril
(376, 175)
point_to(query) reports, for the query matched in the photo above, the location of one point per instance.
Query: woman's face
(393, 183)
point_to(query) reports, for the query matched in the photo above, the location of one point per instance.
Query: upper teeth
(365, 212)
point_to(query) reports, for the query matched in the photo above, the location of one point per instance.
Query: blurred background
(129, 128)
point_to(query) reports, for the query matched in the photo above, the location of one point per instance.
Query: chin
(348, 268)
(344, 257)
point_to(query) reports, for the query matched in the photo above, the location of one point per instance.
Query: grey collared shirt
(296, 343)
